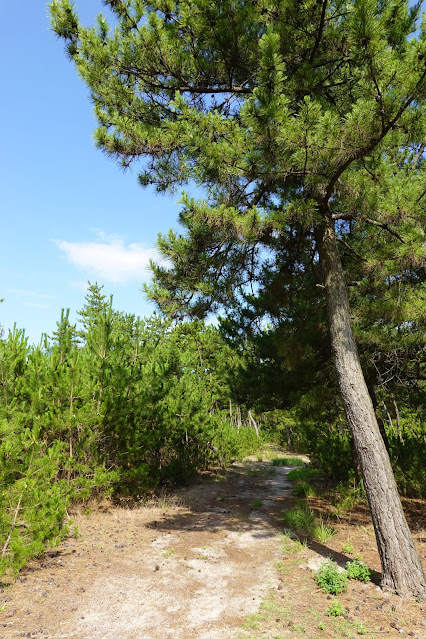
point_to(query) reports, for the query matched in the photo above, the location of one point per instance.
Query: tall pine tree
(304, 114)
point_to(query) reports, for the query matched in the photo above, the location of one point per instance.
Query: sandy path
(185, 572)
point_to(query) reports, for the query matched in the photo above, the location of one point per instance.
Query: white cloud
(110, 260)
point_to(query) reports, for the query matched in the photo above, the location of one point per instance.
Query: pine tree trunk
(402, 571)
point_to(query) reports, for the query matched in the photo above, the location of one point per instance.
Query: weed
(304, 489)
(300, 518)
(330, 579)
(358, 570)
(257, 503)
(169, 552)
(3, 608)
(336, 609)
(348, 547)
(321, 626)
(322, 532)
(287, 461)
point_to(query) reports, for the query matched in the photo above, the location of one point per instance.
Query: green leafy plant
(348, 547)
(336, 609)
(358, 570)
(330, 578)
(256, 504)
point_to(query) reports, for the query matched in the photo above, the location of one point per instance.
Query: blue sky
(68, 213)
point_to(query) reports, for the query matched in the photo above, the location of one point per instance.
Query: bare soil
(206, 562)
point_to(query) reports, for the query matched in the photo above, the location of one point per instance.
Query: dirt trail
(189, 571)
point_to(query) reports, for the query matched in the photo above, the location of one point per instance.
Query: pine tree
(305, 115)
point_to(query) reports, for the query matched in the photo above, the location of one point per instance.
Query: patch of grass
(304, 489)
(330, 579)
(256, 504)
(299, 518)
(322, 532)
(358, 570)
(348, 547)
(169, 552)
(287, 461)
(336, 609)
(302, 474)
(290, 546)
(287, 567)
(243, 517)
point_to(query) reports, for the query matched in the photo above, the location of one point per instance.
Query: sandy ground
(208, 562)
(193, 567)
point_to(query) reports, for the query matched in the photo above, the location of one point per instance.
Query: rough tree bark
(402, 570)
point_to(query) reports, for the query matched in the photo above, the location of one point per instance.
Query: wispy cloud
(36, 305)
(110, 259)
(32, 299)
(22, 293)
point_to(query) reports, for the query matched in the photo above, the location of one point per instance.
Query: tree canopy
(304, 123)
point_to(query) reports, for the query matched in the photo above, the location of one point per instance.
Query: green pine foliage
(119, 406)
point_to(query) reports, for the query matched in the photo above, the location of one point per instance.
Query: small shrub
(358, 570)
(300, 518)
(330, 579)
(336, 609)
(287, 461)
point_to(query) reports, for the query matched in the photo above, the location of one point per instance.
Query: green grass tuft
(287, 461)
(322, 532)
(302, 474)
(304, 489)
(299, 518)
